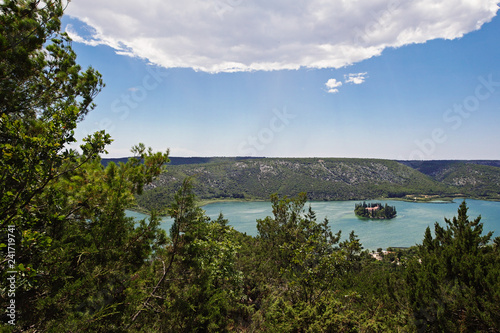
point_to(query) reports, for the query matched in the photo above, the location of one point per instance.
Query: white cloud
(332, 86)
(244, 35)
(357, 78)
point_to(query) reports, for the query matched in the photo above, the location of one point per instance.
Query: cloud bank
(248, 35)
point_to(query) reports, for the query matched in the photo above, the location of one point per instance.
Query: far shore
(410, 198)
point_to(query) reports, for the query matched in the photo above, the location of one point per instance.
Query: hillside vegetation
(482, 180)
(324, 179)
(320, 178)
(479, 179)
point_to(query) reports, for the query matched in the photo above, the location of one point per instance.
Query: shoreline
(418, 199)
(344, 219)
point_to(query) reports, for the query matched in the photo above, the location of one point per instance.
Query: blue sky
(404, 84)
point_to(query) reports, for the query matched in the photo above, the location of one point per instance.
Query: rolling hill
(227, 178)
(320, 178)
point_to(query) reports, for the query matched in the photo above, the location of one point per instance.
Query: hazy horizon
(310, 157)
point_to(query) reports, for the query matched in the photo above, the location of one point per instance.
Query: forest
(73, 262)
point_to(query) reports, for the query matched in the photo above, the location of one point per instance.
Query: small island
(375, 211)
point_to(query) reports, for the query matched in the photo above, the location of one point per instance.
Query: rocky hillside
(476, 178)
(484, 180)
(320, 178)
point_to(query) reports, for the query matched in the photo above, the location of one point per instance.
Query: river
(405, 230)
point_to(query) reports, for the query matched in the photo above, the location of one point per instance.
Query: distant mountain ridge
(322, 178)
(422, 166)
(435, 167)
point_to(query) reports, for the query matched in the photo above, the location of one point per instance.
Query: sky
(390, 79)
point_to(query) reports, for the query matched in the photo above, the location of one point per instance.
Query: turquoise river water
(405, 230)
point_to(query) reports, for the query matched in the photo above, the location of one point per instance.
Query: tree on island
(375, 211)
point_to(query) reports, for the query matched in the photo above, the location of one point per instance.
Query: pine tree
(76, 252)
(454, 285)
(192, 285)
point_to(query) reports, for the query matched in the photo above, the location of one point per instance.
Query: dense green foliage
(455, 284)
(72, 248)
(375, 211)
(191, 285)
(78, 264)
